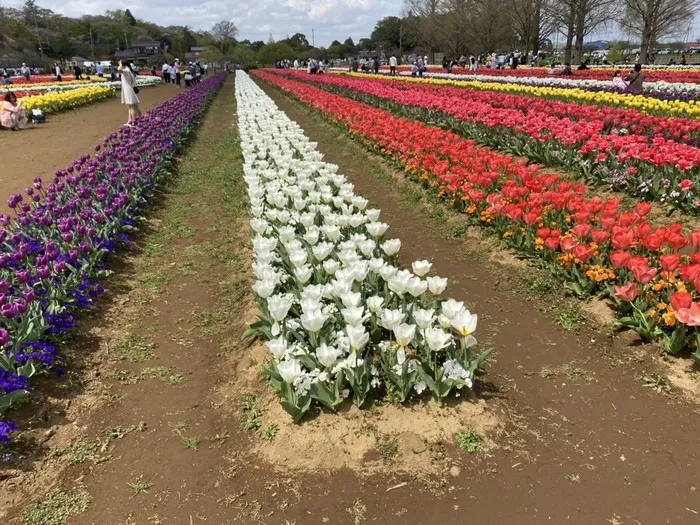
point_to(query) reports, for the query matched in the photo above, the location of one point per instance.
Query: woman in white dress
(129, 91)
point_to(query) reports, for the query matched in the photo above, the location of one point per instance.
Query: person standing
(26, 72)
(59, 76)
(100, 70)
(166, 72)
(12, 115)
(392, 65)
(420, 66)
(77, 71)
(153, 71)
(494, 61)
(472, 63)
(129, 91)
(178, 74)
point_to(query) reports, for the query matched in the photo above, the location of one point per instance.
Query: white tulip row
(58, 87)
(339, 316)
(554, 81)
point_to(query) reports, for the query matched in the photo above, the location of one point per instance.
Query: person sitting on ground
(12, 115)
(618, 83)
(567, 69)
(635, 80)
(584, 65)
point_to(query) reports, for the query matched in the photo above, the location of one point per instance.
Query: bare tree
(429, 28)
(653, 20)
(488, 33)
(577, 19)
(531, 21)
(224, 33)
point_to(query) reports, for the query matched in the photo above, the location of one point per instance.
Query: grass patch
(123, 376)
(56, 508)
(270, 432)
(139, 487)
(540, 284)
(467, 439)
(657, 382)
(251, 412)
(133, 348)
(164, 373)
(568, 317)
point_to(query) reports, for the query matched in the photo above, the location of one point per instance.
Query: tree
(129, 18)
(428, 14)
(298, 41)
(531, 21)
(653, 20)
(275, 52)
(243, 55)
(387, 33)
(224, 34)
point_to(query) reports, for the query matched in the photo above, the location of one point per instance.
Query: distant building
(195, 54)
(142, 52)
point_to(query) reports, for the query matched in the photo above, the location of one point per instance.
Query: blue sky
(256, 19)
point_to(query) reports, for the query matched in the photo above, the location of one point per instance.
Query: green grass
(133, 348)
(270, 432)
(164, 373)
(251, 412)
(568, 317)
(56, 508)
(467, 439)
(139, 487)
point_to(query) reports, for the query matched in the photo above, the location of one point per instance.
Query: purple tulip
(23, 276)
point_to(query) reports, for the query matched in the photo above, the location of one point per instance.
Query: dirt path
(41, 150)
(601, 446)
(163, 417)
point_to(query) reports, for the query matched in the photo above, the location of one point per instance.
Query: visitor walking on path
(129, 91)
(26, 72)
(178, 75)
(12, 115)
(392, 65)
(166, 72)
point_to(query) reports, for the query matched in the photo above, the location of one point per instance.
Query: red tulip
(628, 292)
(622, 240)
(568, 244)
(676, 241)
(583, 252)
(643, 209)
(654, 242)
(644, 274)
(689, 316)
(689, 272)
(552, 243)
(670, 261)
(619, 258)
(695, 239)
(600, 236)
(685, 184)
(681, 300)
(543, 233)
(581, 230)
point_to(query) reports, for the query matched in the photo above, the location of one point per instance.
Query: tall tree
(531, 22)
(129, 18)
(653, 20)
(224, 34)
(428, 14)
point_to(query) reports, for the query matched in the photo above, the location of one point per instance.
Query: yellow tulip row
(627, 100)
(44, 85)
(65, 100)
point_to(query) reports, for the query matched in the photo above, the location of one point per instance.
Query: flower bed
(653, 273)
(657, 98)
(685, 76)
(621, 148)
(339, 316)
(48, 79)
(53, 249)
(63, 101)
(141, 81)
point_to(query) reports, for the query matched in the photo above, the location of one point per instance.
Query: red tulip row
(588, 240)
(601, 141)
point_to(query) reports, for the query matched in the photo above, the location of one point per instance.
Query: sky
(257, 19)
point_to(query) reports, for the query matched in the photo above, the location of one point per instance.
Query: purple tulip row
(53, 247)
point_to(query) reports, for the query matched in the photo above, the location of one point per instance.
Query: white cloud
(255, 19)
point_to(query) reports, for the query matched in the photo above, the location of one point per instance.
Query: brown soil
(571, 434)
(41, 150)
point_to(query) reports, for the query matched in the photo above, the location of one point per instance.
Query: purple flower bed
(53, 250)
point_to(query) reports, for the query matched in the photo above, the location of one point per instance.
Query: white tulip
(404, 333)
(436, 285)
(416, 287)
(375, 265)
(357, 336)
(374, 303)
(313, 320)
(303, 274)
(444, 322)
(298, 258)
(376, 229)
(330, 266)
(437, 339)
(264, 288)
(354, 315)
(290, 370)
(423, 318)
(278, 347)
(464, 322)
(327, 355)
(259, 225)
(421, 268)
(373, 214)
(279, 306)
(322, 250)
(451, 307)
(391, 318)
(391, 247)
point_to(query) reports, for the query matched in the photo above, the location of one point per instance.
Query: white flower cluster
(141, 81)
(339, 315)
